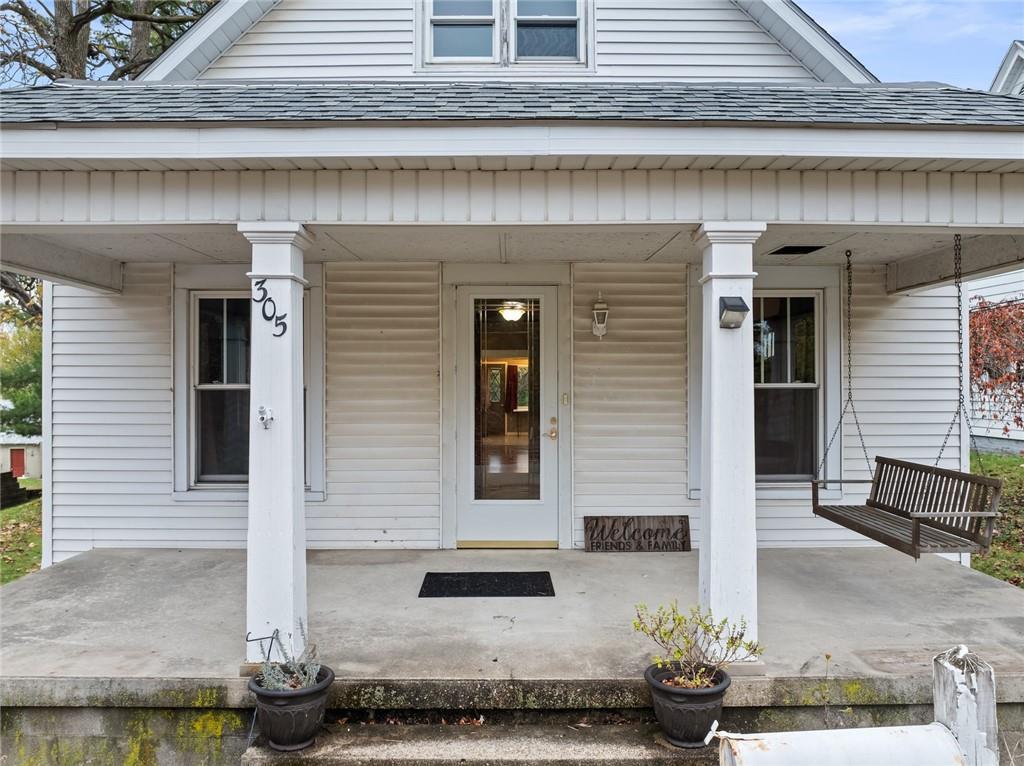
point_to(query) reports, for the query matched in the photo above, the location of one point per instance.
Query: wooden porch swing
(911, 507)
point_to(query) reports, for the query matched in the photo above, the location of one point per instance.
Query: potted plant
(688, 680)
(291, 696)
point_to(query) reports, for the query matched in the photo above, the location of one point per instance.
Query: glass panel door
(507, 429)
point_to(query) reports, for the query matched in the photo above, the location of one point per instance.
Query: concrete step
(486, 745)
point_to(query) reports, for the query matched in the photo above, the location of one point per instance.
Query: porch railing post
(728, 537)
(276, 541)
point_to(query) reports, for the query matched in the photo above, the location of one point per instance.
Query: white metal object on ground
(927, 745)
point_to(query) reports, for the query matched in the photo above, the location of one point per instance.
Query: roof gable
(711, 40)
(1010, 77)
(206, 40)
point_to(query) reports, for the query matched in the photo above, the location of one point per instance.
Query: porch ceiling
(528, 162)
(563, 243)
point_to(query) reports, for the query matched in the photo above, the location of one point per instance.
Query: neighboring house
(422, 202)
(1009, 79)
(990, 434)
(22, 455)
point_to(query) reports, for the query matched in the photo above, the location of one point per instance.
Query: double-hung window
(212, 351)
(787, 385)
(220, 388)
(504, 32)
(464, 30)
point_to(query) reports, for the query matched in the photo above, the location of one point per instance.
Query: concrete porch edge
(456, 694)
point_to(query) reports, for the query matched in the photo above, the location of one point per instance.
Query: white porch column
(728, 549)
(276, 544)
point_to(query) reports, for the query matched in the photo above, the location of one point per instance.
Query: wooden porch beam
(35, 257)
(982, 255)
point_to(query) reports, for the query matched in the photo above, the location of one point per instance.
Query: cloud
(955, 41)
(933, 19)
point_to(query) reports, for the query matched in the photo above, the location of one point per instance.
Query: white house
(21, 455)
(366, 241)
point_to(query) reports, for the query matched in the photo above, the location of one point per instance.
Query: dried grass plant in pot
(291, 696)
(688, 679)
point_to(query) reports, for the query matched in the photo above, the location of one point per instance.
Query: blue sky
(961, 42)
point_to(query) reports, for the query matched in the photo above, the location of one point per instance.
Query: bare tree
(88, 39)
(45, 40)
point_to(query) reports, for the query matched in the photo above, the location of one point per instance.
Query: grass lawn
(21, 536)
(1006, 560)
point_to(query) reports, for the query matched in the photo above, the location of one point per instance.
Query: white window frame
(788, 280)
(503, 58)
(513, 36)
(818, 296)
(194, 386)
(231, 281)
(454, 21)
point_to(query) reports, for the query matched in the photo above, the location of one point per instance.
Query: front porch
(108, 639)
(139, 616)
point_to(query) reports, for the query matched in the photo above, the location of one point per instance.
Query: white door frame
(505, 275)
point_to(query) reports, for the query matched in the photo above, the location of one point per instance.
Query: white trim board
(206, 40)
(312, 141)
(47, 441)
(510, 196)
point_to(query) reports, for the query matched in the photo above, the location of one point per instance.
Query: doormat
(486, 585)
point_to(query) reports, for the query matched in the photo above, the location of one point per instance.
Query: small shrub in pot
(291, 696)
(688, 679)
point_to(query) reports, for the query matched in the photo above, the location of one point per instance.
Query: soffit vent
(796, 249)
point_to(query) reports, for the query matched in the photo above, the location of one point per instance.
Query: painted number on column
(269, 308)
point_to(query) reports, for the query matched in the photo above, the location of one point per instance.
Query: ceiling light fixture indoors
(512, 311)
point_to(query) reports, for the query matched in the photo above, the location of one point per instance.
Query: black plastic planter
(685, 715)
(291, 719)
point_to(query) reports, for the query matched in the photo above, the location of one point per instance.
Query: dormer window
(503, 33)
(463, 30)
(547, 30)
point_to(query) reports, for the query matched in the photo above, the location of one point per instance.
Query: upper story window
(504, 32)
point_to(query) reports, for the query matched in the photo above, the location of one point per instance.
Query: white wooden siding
(701, 40)
(112, 401)
(629, 394)
(112, 418)
(112, 446)
(323, 39)
(633, 39)
(1001, 287)
(512, 196)
(383, 405)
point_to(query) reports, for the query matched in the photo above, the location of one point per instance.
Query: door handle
(553, 433)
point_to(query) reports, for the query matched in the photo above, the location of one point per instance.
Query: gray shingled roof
(918, 104)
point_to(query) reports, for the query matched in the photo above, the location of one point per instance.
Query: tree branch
(24, 297)
(38, 23)
(21, 57)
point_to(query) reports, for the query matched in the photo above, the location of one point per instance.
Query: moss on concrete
(124, 737)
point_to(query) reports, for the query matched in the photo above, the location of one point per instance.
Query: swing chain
(962, 410)
(848, 405)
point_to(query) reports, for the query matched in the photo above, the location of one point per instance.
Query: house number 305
(268, 308)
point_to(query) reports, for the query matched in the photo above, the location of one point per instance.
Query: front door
(506, 443)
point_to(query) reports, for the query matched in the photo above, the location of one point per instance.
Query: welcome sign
(636, 534)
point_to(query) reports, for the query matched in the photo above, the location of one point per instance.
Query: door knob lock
(553, 433)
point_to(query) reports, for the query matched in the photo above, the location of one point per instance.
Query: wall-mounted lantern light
(600, 325)
(732, 310)
(512, 311)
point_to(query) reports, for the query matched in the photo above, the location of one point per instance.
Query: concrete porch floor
(167, 614)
